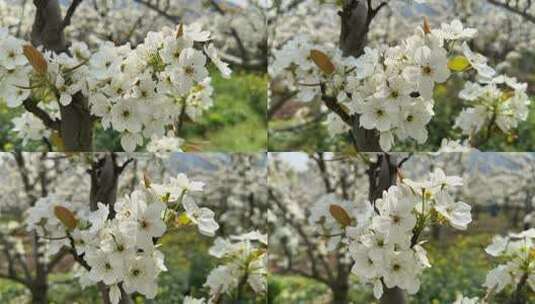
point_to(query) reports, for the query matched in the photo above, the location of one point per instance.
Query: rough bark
(355, 27)
(392, 296)
(39, 284)
(76, 125)
(341, 291)
(104, 179)
(39, 294)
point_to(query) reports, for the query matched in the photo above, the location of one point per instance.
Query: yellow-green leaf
(507, 94)
(322, 61)
(340, 215)
(35, 58)
(57, 141)
(182, 220)
(458, 63)
(66, 217)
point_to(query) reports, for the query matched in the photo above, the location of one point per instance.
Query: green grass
(237, 121)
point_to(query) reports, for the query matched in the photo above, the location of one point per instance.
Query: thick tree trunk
(340, 293)
(356, 17)
(39, 294)
(39, 285)
(393, 296)
(382, 175)
(76, 122)
(104, 179)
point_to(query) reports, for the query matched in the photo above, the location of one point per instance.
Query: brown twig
(70, 12)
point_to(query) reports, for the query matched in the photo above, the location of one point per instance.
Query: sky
(296, 160)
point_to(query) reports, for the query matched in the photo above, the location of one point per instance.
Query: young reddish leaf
(146, 180)
(322, 61)
(35, 58)
(66, 217)
(180, 31)
(340, 215)
(427, 28)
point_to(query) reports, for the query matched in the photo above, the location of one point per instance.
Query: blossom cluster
(516, 250)
(141, 93)
(502, 100)
(390, 88)
(382, 236)
(245, 258)
(121, 250)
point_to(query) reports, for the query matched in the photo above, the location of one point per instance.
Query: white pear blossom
(202, 217)
(121, 252)
(391, 88)
(139, 92)
(385, 245)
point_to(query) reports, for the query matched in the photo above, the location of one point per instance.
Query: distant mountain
(184, 162)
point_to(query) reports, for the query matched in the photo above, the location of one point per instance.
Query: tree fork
(76, 125)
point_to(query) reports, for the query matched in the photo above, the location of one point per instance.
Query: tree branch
(70, 12)
(172, 18)
(31, 106)
(515, 10)
(310, 247)
(333, 105)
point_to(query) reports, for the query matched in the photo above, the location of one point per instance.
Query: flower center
(427, 70)
(189, 70)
